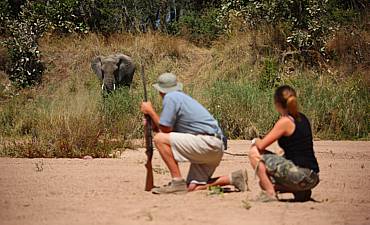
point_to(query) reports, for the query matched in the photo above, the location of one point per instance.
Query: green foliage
(202, 27)
(304, 26)
(215, 190)
(120, 110)
(111, 16)
(4, 14)
(269, 77)
(306, 22)
(25, 68)
(64, 16)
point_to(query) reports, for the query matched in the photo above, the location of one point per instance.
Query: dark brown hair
(287, 98)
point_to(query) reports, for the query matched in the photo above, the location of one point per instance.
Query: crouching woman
(297, 171)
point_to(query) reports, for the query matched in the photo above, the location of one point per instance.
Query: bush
(25, 68)
(352, 47)
(64, 16)
(306, 23)
(4, 15)
(269, 77)
(122, 117)
(201, 27)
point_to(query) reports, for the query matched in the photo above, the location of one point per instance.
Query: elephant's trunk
(109, 83)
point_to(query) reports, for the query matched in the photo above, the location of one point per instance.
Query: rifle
(148, 140)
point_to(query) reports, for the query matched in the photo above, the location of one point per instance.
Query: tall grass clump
(72, 125)
(243, 110)
(336, 109)
(121, 113)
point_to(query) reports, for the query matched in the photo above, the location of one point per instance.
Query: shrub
(305, 20)
(352, 47)
(121, 114)
(4, 15)
(25, 68)
(201, 27)
(65, 16)
(269, 77)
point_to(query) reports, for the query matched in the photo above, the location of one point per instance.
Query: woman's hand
(282, 128)
(255, 140)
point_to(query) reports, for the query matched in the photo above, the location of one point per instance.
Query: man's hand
(147, 108)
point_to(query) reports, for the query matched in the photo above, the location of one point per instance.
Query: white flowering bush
(4, 14)
(25, 67)
(306, 23)
(63, 16)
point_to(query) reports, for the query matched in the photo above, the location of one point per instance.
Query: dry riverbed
(110, 191)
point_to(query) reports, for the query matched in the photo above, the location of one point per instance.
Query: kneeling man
(188, 133)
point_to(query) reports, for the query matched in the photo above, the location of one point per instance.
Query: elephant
(114, 71)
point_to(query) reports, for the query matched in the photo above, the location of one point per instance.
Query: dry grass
(67, 117)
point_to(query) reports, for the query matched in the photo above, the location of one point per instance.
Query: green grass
(337, 110)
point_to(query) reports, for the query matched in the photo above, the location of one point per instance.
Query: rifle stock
(149, 183)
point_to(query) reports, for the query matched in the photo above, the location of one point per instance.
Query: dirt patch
(110, 191)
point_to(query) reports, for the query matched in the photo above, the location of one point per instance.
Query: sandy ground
(110, 191)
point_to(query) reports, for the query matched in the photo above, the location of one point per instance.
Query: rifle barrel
(144, 83)
(148, 140)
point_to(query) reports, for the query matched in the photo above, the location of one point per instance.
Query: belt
(220, 137)
(212, 135)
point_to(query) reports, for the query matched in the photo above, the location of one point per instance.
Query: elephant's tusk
(102, 86)
(114, 86)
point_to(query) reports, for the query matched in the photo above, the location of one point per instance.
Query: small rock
(117, 154)
(246, 204)
(87, 157)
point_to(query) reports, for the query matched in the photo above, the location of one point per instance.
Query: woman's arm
(283, 127)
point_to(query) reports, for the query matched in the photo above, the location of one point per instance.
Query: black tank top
(298, 147)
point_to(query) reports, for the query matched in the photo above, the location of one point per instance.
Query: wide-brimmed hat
(167, 82)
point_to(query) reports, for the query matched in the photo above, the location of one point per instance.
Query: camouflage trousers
(286, 174)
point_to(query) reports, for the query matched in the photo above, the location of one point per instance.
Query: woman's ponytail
(292, 106)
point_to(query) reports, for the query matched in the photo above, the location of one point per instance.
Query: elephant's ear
(96, 66)
(126, 69)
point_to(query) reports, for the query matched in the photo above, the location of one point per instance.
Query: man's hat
(167, 82)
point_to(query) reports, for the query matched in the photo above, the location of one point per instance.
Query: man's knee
(161, 138)
(253, 153)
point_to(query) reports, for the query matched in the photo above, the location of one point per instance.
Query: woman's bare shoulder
(285, 123)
